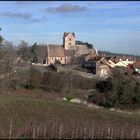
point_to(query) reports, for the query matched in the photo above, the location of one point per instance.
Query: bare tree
(33, 51)
(40, 53)
(7, 56)
(24, 51)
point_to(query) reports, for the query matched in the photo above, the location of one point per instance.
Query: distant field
(42, 116)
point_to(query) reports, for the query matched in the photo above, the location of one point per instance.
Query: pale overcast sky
(110, 26)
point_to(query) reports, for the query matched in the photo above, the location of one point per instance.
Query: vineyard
(42, 116)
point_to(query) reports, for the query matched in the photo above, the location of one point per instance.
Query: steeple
(69, 40)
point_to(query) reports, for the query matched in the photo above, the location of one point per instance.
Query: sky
(109, 25)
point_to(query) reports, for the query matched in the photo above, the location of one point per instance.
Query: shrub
(69, 98)
(136, 99)
(28, 86)
(14, 84)
(104, 86)
(35, 78)
(117, 91)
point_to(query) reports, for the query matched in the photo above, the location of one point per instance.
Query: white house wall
(124, 63)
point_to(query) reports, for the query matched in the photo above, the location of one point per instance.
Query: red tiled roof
(95, 59)
(136, 64)
(56, 51)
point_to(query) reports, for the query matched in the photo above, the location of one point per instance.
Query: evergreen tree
(1, 38)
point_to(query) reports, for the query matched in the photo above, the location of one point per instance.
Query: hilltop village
(83, 54)
(46, 85)
(69, 70)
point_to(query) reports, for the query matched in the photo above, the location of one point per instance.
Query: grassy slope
(23, 108)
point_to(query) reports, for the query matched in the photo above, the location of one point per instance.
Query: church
(62, 53)
(67, 53)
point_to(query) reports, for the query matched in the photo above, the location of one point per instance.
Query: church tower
(69, 41)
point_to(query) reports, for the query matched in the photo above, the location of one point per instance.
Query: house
(90, 61)
(123, 61)
(97, 66)
(107, 61)
(91, 55)
(136, 67)
(117, 61)
(90, 65)
(103, 70)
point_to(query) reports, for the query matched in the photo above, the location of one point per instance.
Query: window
(52, 57)
(70, 44)
(61, 58)
(69, 39)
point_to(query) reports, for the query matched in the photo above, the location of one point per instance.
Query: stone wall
(82, 49)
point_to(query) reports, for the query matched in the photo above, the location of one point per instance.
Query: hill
(118, 54)
(36, 114)
(31, 106)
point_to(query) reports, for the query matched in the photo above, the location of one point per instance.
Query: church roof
(66, 33)
(56, 50)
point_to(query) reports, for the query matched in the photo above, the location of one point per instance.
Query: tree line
(31, 53)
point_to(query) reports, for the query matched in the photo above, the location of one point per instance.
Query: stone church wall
(82, 49)
(52, 60)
